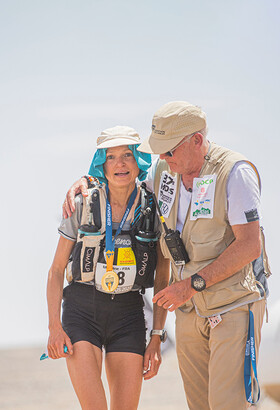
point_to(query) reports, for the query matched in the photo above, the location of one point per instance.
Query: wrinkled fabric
(143, 160)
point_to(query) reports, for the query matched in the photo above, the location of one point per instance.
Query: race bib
(125, 269)
(202, 205)
(166, 193)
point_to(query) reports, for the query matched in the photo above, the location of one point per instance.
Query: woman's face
(120, 168)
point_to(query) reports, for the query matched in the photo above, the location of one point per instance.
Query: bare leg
(84, 368)
(125, 374)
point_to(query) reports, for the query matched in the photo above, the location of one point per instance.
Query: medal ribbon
(110, 243)
(250, 362)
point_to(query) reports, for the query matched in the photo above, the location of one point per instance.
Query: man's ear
(198, 139)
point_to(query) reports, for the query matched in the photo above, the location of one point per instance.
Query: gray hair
(203, 132)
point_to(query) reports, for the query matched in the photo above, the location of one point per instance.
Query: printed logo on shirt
(252, 215)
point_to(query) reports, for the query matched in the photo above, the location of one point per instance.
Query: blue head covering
(143, 160)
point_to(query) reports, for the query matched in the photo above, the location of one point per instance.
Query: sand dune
(28, 384)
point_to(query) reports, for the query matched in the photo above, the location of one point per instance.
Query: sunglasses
(170, 152)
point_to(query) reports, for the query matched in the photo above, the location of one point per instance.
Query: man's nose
(163, 156)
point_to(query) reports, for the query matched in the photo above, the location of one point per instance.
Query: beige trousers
(211, 361)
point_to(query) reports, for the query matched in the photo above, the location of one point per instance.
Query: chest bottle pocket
(84, 256)
(146, 259)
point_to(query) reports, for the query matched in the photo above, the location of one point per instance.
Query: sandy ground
(28, 384)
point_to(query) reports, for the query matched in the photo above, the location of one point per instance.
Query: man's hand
(174, 295)
(152, 358)
(79, 187)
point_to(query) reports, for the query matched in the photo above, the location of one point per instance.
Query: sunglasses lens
(169, 154)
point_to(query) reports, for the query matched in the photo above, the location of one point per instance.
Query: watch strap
(161, 333)
(157, 332)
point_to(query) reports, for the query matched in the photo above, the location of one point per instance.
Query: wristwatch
(198, 283)
(161, 333)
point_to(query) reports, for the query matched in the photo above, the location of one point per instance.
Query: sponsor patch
(202, 205)
(126, 257)
(252, 215)
(167, 193)
(214, 321)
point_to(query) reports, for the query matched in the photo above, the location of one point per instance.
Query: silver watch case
(161, 333)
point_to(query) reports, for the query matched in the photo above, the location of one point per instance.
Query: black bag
(146, 261)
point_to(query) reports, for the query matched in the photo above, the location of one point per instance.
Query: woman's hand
(78, 187)
(152, 358)
(57, 340)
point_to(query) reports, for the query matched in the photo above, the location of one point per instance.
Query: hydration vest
(135, 249)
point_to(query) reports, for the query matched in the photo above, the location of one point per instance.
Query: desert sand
(28, 384)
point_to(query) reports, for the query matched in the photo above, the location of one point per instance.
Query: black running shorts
(117, 323)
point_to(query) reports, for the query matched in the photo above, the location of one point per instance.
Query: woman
(102, 305)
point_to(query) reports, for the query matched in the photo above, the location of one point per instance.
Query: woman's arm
(57, 337)
(152, 358)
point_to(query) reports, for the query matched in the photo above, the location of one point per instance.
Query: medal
(110, 281)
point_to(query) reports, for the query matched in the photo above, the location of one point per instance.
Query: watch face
(163, 336)
(198, 283)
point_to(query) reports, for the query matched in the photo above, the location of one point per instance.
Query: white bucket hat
(116, 136)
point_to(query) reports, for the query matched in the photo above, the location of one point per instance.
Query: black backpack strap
(144, 215)
(95, 208)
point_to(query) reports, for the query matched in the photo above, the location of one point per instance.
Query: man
(212, 196)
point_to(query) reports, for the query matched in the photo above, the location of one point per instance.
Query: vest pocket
(84, 258)
(76, 255)
(231, 290)
(202, 251)
(146, 260)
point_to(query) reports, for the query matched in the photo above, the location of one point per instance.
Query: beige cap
(116, 136)
(171, 123)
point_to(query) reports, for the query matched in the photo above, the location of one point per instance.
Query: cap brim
(158, 146)
(116, 142)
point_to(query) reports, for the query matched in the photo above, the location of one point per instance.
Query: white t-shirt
(243, 195)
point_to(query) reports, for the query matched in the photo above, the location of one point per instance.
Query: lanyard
(109, 230)
(250, 361)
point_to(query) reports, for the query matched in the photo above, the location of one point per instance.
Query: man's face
(183, 160)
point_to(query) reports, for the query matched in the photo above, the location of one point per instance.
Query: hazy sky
(72, 68)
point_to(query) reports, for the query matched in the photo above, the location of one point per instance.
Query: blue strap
(109, 230)
(250, 362)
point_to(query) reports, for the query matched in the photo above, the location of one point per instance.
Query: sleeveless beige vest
(206, 239)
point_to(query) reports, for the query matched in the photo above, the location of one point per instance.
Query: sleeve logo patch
(252, 215)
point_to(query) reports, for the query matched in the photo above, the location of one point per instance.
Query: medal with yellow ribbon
(110, 279)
